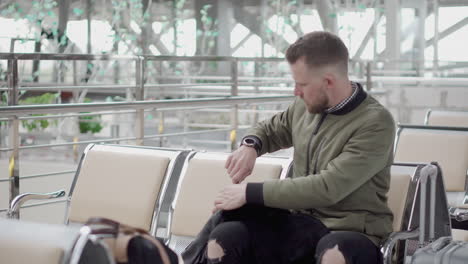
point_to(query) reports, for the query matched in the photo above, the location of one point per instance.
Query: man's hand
(241, 163)
(231, 197)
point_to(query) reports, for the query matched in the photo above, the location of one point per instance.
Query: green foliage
(39, 12)
(3, 98)
(32, 125)
(38, 124)
(90, 124)
(78, 11)
(46, 98)
(179, 4)
(121, 31)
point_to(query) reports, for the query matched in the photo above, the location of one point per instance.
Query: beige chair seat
(118, 183)
(27, 242)
(204, 175)
(446, 118)
(447, 147)
(397, 194)
(123, 183)
(460, 235)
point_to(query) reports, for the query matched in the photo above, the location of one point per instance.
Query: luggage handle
(441, 243)
(428, 171)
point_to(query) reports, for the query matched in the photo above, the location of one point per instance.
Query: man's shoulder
(374, 110)
(298, 104)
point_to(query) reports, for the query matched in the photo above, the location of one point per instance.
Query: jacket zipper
(309, 157)
(319, 149)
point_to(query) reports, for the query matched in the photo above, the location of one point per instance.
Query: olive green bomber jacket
(341, 170)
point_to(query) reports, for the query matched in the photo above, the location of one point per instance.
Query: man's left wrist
(252, 142)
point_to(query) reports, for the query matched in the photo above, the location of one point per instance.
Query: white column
(419, 36)
(436, 38)
(329, 23)
(225, 24)
(223, 41)
(393, 32)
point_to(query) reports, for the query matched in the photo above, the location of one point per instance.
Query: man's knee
(214, 250)
(227, 240)
(333, 255)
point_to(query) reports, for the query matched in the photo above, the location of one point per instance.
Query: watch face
(248, 142)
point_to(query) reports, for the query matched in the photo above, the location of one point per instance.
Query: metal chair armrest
(459, 213)
(389, 244)
(13, 211)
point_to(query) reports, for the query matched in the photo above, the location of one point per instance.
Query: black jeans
(277, 236)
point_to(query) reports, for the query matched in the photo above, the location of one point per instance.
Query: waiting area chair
(203, 175)
(447, 146)
(127, 183)
(123, 183)
(28, 242)
(446, 118)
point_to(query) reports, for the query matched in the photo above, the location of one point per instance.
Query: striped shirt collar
(345, 101)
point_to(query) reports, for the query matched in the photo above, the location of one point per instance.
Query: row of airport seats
(170, 193)
(442, 138)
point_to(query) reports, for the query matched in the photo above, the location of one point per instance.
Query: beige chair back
(121, 183)
(460, 235)
(447, 118)
(202, 178)
(449, 148)
(399, 185)
(28, 242)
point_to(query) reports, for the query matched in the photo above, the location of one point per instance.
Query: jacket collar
(350, 103)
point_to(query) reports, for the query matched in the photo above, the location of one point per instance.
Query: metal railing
(14, 113)
(225, 86)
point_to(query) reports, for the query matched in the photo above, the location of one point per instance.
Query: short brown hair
(319, 48)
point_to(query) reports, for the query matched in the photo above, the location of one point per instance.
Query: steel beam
(448, 31)
(368, 36)
(256, 26)
(325, 11)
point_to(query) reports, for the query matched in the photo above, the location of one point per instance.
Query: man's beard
(320, 106)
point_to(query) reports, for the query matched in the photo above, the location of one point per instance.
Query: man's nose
(297, 90)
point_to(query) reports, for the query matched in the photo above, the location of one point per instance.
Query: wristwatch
(248, 142)
(251, 143)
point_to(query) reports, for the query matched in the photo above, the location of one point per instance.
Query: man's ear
(330, 80)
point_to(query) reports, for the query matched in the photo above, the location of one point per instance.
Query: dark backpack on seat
(131, 245)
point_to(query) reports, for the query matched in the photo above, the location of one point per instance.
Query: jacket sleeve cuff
(254, 193)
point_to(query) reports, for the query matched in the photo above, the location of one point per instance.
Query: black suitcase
(444, 249)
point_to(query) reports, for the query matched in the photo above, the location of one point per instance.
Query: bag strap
(123, 233)
(138, 231)
(105, 226)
